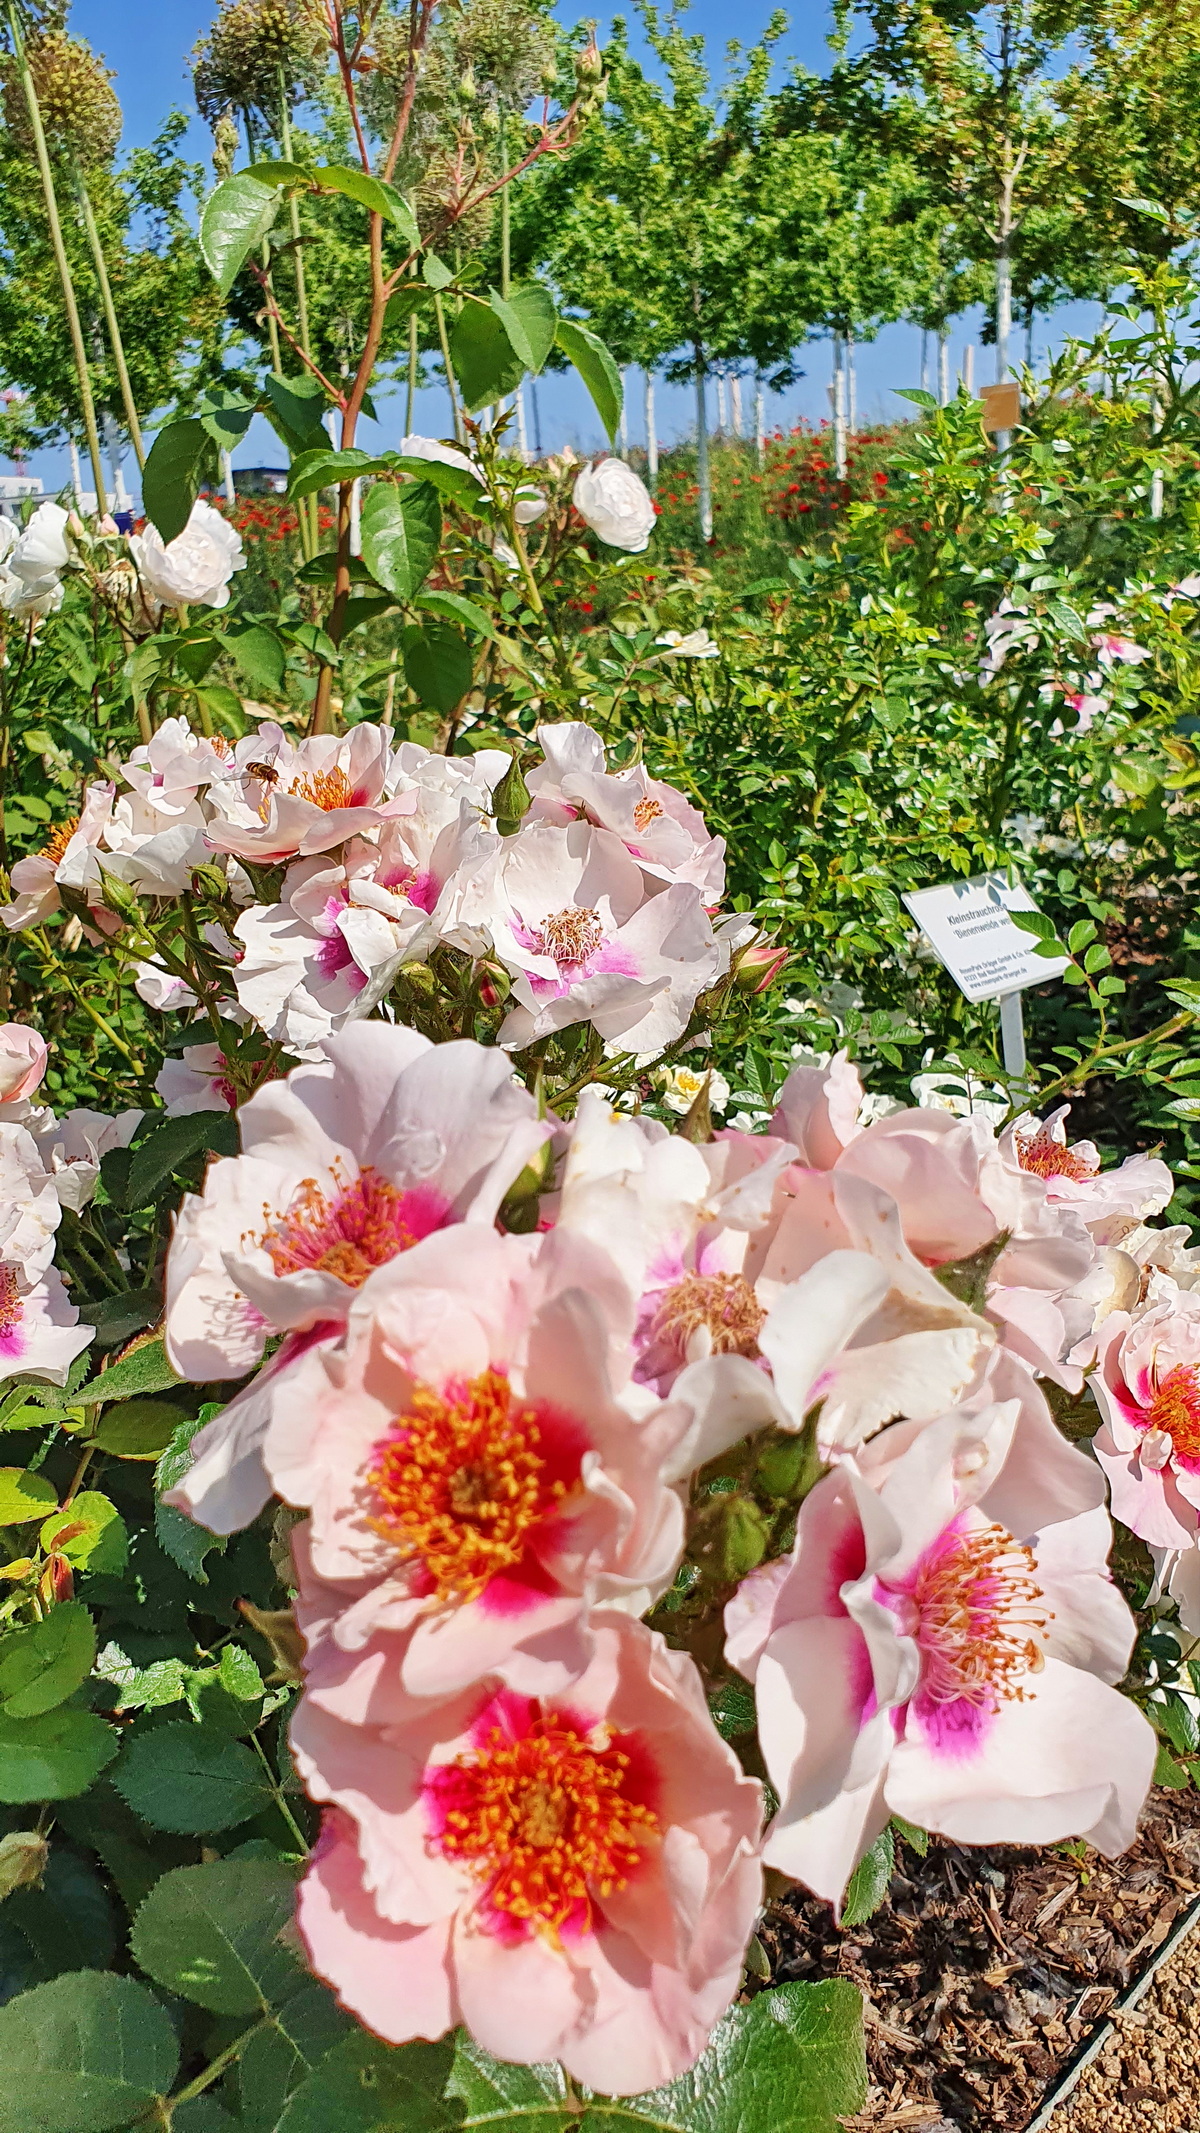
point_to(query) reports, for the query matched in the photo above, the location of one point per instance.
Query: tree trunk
(924, 359)
(943, 367)
(1029, 317)
(1156, 478)
(522, 433)
(760, 421)
(703, 480)
(76, 476)
(651, 435)
(722, 411)
(537, 419)
(227, 479)
(735, 403)
(623, 426)
(968, 369)
(356, 518)
(839, 407)
(851, 387)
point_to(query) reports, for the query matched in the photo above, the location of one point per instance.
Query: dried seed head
(255, 48)
(78, 104)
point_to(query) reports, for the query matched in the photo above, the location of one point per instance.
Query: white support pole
(651, 434)
(760, 420)
(522, 434)
(735, 402)
(968, 369)
(839, 408)
(1012, 1035)
(356, 518)
(722, 411)
(227, 476)
(943, 368)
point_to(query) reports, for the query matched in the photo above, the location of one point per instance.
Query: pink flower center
(569, 936)
(549, 1821)
(465, 1478)
(978, 1617)
(1174, 1412)
(1048, 1158)
(363, 1226)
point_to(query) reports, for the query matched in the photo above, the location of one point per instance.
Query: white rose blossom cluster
(600, 908)
(532, 1825)
(47, 1164)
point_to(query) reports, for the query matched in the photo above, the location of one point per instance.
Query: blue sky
(148, 47)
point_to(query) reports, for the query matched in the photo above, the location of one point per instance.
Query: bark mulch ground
(985, 1970)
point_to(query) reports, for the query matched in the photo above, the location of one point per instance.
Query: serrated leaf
(40, 1666)
(375, 194)
(455, 607)
(174, 1142)
(297, 410)
(183, 1778)
(438, 666)
(597, 369)
(144, 1370)
(171, 475)
(90, 1533)
(259, 658)
(236, 218)
(529, 317)
(54, 1756)
(24, 1496)
(137, 1429)
(484, 359)
(868, 1884)
(458, 483)
(85, 2053)
(363, 2086)
(326, 469)
(401, 535)
(214, 1933)
(118, 1318)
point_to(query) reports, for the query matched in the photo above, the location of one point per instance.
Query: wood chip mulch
(985, 1970)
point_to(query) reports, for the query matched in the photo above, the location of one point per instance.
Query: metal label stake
(1012, 1035)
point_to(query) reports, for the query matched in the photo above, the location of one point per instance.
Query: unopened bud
(23, 1856)
(117, 896)
(209, 880)
(494, 984)
(521, 1208)
(745, 1539)
(589, 65)
(511, 800)
(759, 965)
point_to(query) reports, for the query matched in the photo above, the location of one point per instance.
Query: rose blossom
(42, 550)
(40, 1333)
(616, 505)
(667, 836)
(477, 1487)
(573, 1880)
(23, 1057)
(344, 1165)
(1147, 1387)
(913, 1656)
(316, 960)
(71, 1147)
(568, 914)
(1141, 1185)
(293, 800)
(194, 569)
(69, 859)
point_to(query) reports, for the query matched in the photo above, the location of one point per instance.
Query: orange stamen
(55, 848)
(570, 936)
(725, 1303)
(546, 1821)
(463, 1481)
(327, 789)
(981, 1618)
(364, 1226)
(1175, 1409)
(1048, 1158)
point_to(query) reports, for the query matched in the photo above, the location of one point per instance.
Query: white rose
(528, 504)
(616, 505)
(696, 645)
(447, 455)
(42, 549)
(29, 596)
(195, 568)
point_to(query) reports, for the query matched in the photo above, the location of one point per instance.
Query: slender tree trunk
(87, 404)
(943, 367)
(1029, 318)
(1156, 478)
(623, 425)
(537, 419)
(110, 315)
(227, 477)
(851, 386)
(1004, 280)
(924, 359)
(735, 403)
(76, 475)
(522, 432)
(722, 412)
(968, 369)
(651, 434)
(703, 479)
(839, 407)
(410, 405)
(356, 518)
(760, 419)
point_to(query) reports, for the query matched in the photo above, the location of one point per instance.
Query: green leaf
(868, 1884)
(1168, 1772)
(435, 271)
(790, 2062)
(438, 666)
(401, 534)
(53, 1756)
(44, 1664)
(917, 1839)
(214, 1933)
(24, 1496)
(181, 1777)
(185, 1542)
(372, 193)
(117, 1318)
(595, 365)
(297, 408)
(236, 218)
(529, 318)
(362, 2086)
(239, 1674)
(226, 416)
(90, 1532)
(485, 362)
(276, 2061)
(137, 1429)
(172, 1143)
(260, 659)
(274, 171)
(84, 2053)
(143, 1370)
(458, 483)
(1174, 1719)
(455, 607)
(324, 468)
(171, 475)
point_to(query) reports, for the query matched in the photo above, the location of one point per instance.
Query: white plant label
(968, 926)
